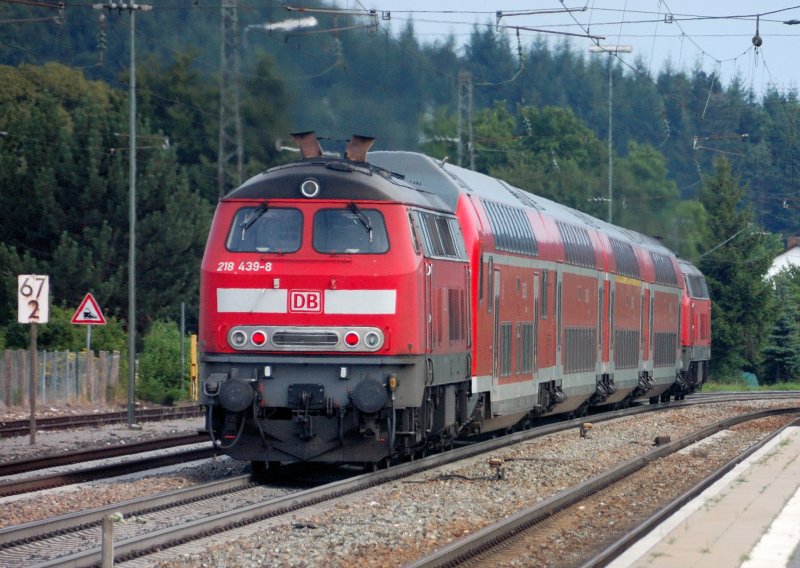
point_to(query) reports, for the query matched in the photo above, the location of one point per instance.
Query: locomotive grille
(305, 338)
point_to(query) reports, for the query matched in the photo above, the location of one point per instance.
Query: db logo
(305, 301)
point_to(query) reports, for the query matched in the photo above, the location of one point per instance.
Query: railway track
(94, 472)
(514, 537)
(129, 545)
(213, 520)
(77, 541)
(11, 428)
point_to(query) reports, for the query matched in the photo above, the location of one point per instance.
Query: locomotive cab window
(264, 229)
(350, 231)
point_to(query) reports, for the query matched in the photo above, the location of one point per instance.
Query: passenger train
(366, 308)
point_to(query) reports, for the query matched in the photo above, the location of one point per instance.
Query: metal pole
(132, 8)
(183, 347)
(611, 50)
(32, 385)
(610, 145)
(132, 229)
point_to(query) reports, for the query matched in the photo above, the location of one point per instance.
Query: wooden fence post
(22, 376)
(8, 365)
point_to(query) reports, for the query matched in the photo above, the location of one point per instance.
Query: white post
(107, 543)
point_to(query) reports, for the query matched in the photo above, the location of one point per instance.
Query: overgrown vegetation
(161, 378)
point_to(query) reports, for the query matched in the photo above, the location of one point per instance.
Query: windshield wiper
(253, 217)
(362, 217)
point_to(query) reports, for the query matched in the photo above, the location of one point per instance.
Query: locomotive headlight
(351, 339)
(372, 340)
(238, 338)
(258, 338)
(310, 188)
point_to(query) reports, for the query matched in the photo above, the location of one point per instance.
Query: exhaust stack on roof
(358, 147)
(308, 143)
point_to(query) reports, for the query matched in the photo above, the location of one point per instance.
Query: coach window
(544, 295)
(350, 231)
(265, 229)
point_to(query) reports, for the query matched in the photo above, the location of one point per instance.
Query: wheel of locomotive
(665, 397)
(372, 466)
(258, 467)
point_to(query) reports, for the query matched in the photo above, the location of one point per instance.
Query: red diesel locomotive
(362, 310)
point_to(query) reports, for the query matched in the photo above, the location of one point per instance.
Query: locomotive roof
(449, 181)
(688, 268)
(339, 179)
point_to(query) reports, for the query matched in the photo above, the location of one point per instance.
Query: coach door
(535, 338)
(428, 306)
(495, 306)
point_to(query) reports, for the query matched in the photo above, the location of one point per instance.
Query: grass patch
(741, 386)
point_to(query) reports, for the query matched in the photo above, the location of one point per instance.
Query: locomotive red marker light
(351, 339)
(258, 338)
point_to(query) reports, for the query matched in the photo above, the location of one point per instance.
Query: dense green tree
(645, 199)
(557, 157)
(64, 204)
(782, 350)
(735, 263)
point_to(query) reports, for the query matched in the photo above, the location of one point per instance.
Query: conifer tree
(782, 352)
(736, 260)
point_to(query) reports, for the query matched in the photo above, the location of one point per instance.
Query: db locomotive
(372, 307)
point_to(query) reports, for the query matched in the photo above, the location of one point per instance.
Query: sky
(716, 35)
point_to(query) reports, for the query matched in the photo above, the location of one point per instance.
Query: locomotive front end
(312, 338)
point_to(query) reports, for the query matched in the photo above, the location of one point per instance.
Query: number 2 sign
(33, 298)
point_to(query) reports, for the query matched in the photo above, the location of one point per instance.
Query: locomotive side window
(263, 229)
(350, 231)
(441, 236)
(697, 286)
(415, 238)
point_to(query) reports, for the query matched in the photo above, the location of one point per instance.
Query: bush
(60, 334)
(160, 376)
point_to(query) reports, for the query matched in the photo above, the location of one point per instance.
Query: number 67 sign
(33, 298)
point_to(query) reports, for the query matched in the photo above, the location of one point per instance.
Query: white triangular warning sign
(88, 313)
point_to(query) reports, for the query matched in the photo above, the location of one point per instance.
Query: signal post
(33, 307)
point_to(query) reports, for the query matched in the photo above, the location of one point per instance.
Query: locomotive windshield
(262, 229)
(350, 231)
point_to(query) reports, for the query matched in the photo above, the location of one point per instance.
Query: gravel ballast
(396, 523)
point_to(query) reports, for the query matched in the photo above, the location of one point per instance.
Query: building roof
(785, 260)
